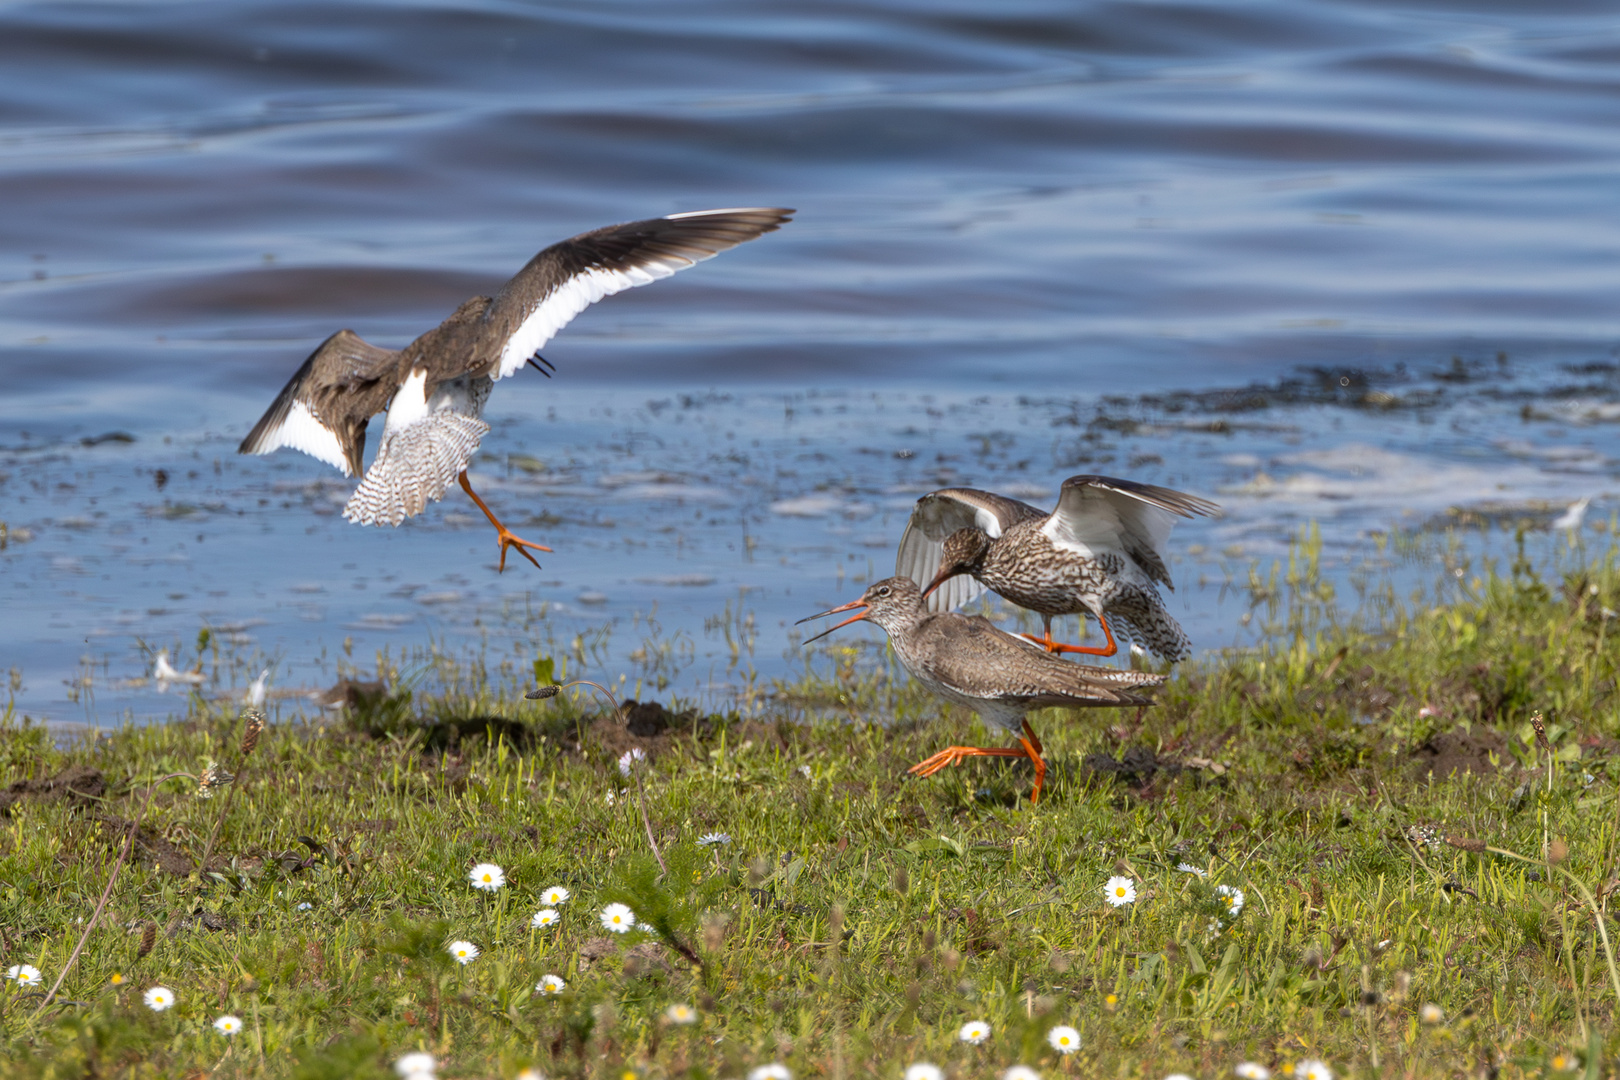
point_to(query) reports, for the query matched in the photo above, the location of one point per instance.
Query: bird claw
(508, 540)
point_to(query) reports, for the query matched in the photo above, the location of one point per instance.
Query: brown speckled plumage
(966, 659)
(1097, 553)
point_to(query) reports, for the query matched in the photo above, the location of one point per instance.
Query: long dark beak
(851, 606)
(945, 574)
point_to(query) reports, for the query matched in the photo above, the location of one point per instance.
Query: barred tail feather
(1153, 628)
(415, 466)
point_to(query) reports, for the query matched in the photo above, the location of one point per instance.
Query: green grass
(858, 918)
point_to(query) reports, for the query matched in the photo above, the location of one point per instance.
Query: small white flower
(1064, 1039)
(1431, 1014)
(681, 1013)
(1020, 1072)
(773, 1071)
(1252, 1070)
(711, 839)
(804, 771)
(544, 918)
(1178, 1076)
(419, 1062)
(25, 974)
(1189, 868)
(1233, 898)
(550, 984)
(555, 895)
(922, 1070)
(610, 798)
(465, 952)
(629, 759)
(618, 918)
(1312, 1069)
(158, 998)
(531, 1073)
(1119, 891)
(305, 906)
(974, 1032)
(228, 1025)
(487, 876)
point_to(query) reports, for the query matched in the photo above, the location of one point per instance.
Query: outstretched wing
(1097, 514)
(936, 516)
(324, 407)
(568, 277)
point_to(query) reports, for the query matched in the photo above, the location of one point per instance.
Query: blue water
(1014, 219)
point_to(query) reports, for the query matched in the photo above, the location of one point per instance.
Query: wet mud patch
(1449, 753)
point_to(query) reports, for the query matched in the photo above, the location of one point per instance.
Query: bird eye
(884, 591)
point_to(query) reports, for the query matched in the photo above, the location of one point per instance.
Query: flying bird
(966, 659)
(1100, 552)
(435, 388)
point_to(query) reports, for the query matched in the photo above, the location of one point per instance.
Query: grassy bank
(1374, 787)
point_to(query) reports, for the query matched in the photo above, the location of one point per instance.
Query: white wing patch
(302, 431)
(923, 545)
(572, 297)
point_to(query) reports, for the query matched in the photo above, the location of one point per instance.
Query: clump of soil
(1136, 767)
(150, 847)
(1459, 751)
(74, 782)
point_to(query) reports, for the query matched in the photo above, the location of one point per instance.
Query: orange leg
(1029, 747)
(504, 534)
(1090, 650)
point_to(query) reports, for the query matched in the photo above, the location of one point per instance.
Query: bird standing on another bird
(435, 388)
(967, 660)
(1099, 552)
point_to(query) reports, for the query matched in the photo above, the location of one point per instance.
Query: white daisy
(419, 1062)
(1431, 1014)
(228, 1025)
(555, 895)
(25, 974)
(531, 1073)
(1232, 896)
(1020, 1072)
(544, 918)
(618, 918)
(681, 1013)
(773, 1071)
(629, 759)
(305, 906)
(550, 984)
(1252, 1070)
(922, 1070)
(158, 998)
(974, 1032)
(465, 952)
(1119, 891)
(711, 839)
(1064, 1039)
(487, 876)
(1312, 1069)
(1189, 868)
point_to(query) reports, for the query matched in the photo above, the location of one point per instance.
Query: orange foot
(1090, 650)
(502, 533)
(1029, 747)
(508, 540)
